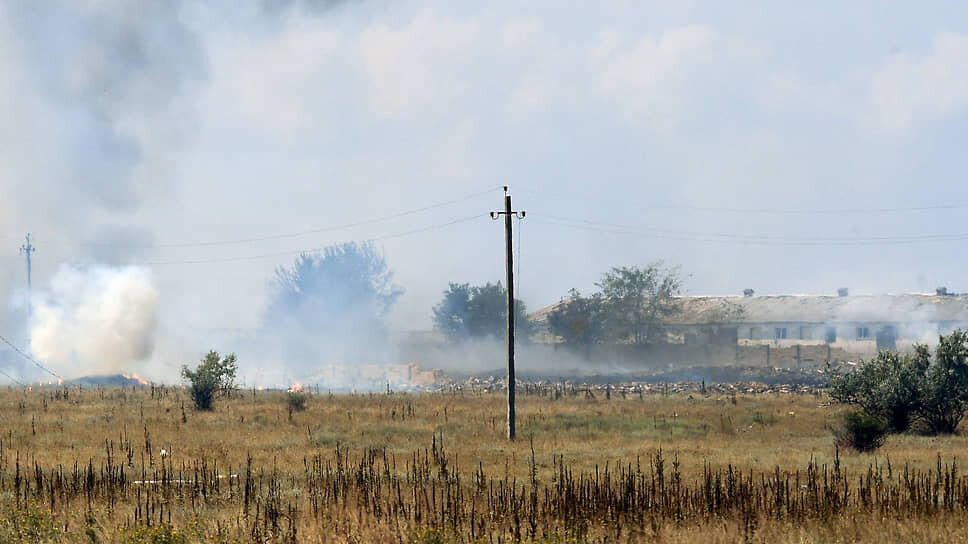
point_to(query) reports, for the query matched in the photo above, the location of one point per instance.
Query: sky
(784, 147)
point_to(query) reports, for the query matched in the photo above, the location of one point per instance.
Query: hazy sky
(630, 132)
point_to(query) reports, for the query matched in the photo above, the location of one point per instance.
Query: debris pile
(626, 388)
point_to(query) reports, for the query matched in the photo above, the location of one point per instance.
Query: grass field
(86, 466)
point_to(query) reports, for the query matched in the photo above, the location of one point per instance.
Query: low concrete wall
(559, 359)
(788, 356)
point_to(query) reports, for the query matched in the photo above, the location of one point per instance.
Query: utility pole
(509, 259)
(27, 249)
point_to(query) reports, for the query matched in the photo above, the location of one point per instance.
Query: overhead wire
(517, 288)
(36, 363)
(306, 232)
(769, 210)
(11, 378)
(815, 211)
(289, 253)
(589, 225)
(613, 228)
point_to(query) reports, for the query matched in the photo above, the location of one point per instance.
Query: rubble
(625, 388)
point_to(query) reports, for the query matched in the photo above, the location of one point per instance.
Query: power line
(310, 250)
(330, 228)
(426, 229)
(518, 263)
(760, 240)
(776, 211)
(612, 228)
(31, 359)
(815, 211)
(11, 378)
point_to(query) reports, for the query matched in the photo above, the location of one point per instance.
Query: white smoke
(95, 320)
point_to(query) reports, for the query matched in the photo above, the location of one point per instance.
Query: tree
(579, 320)
(331, 304)
(350, 277)
(945, 396)
(889, 387)
(215, 375)
(638, 301)
(902, 389)
(451, 313)
(479, 312)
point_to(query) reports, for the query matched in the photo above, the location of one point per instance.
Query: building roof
(909, 308)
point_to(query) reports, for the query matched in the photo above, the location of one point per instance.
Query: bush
(297, 401)
(29, 525)
(861, 432)
(157, 534)
(945, 396)
(215, 375)
(889, 387)
(901, 389)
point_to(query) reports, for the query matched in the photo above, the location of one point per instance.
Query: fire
(296, 386)
(135, 377)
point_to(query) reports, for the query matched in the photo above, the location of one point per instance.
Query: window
(863, 333)
(780, 333)
(830, 335)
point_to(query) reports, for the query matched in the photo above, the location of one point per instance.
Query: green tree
(451, 313)
(467, 311)
(344, 287)
(580, 320)
(330, 306)
(638, 301)
(901, 389)
(889, 387)
(945, 396)
(214, 375)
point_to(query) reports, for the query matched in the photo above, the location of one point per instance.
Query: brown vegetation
(590, 466)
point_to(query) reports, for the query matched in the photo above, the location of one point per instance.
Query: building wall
(854, 338)
(662, 356)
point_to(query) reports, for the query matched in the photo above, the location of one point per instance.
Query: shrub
(860, 432)
(889, 387)
(899, 389)
(213, 376)
(29, 525)
(157, 534)
(297, 401)
(945, 396)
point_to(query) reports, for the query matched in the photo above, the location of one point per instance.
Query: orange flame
(296, 386)
(135, 377)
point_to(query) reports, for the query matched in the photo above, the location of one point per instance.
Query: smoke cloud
(186, 137)
(95, 320)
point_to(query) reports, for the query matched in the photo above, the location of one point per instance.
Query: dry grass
(436, 468)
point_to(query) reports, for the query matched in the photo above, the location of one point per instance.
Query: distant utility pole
(509, 259)
(27, 249)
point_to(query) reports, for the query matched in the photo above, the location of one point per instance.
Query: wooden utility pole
(509, 260)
